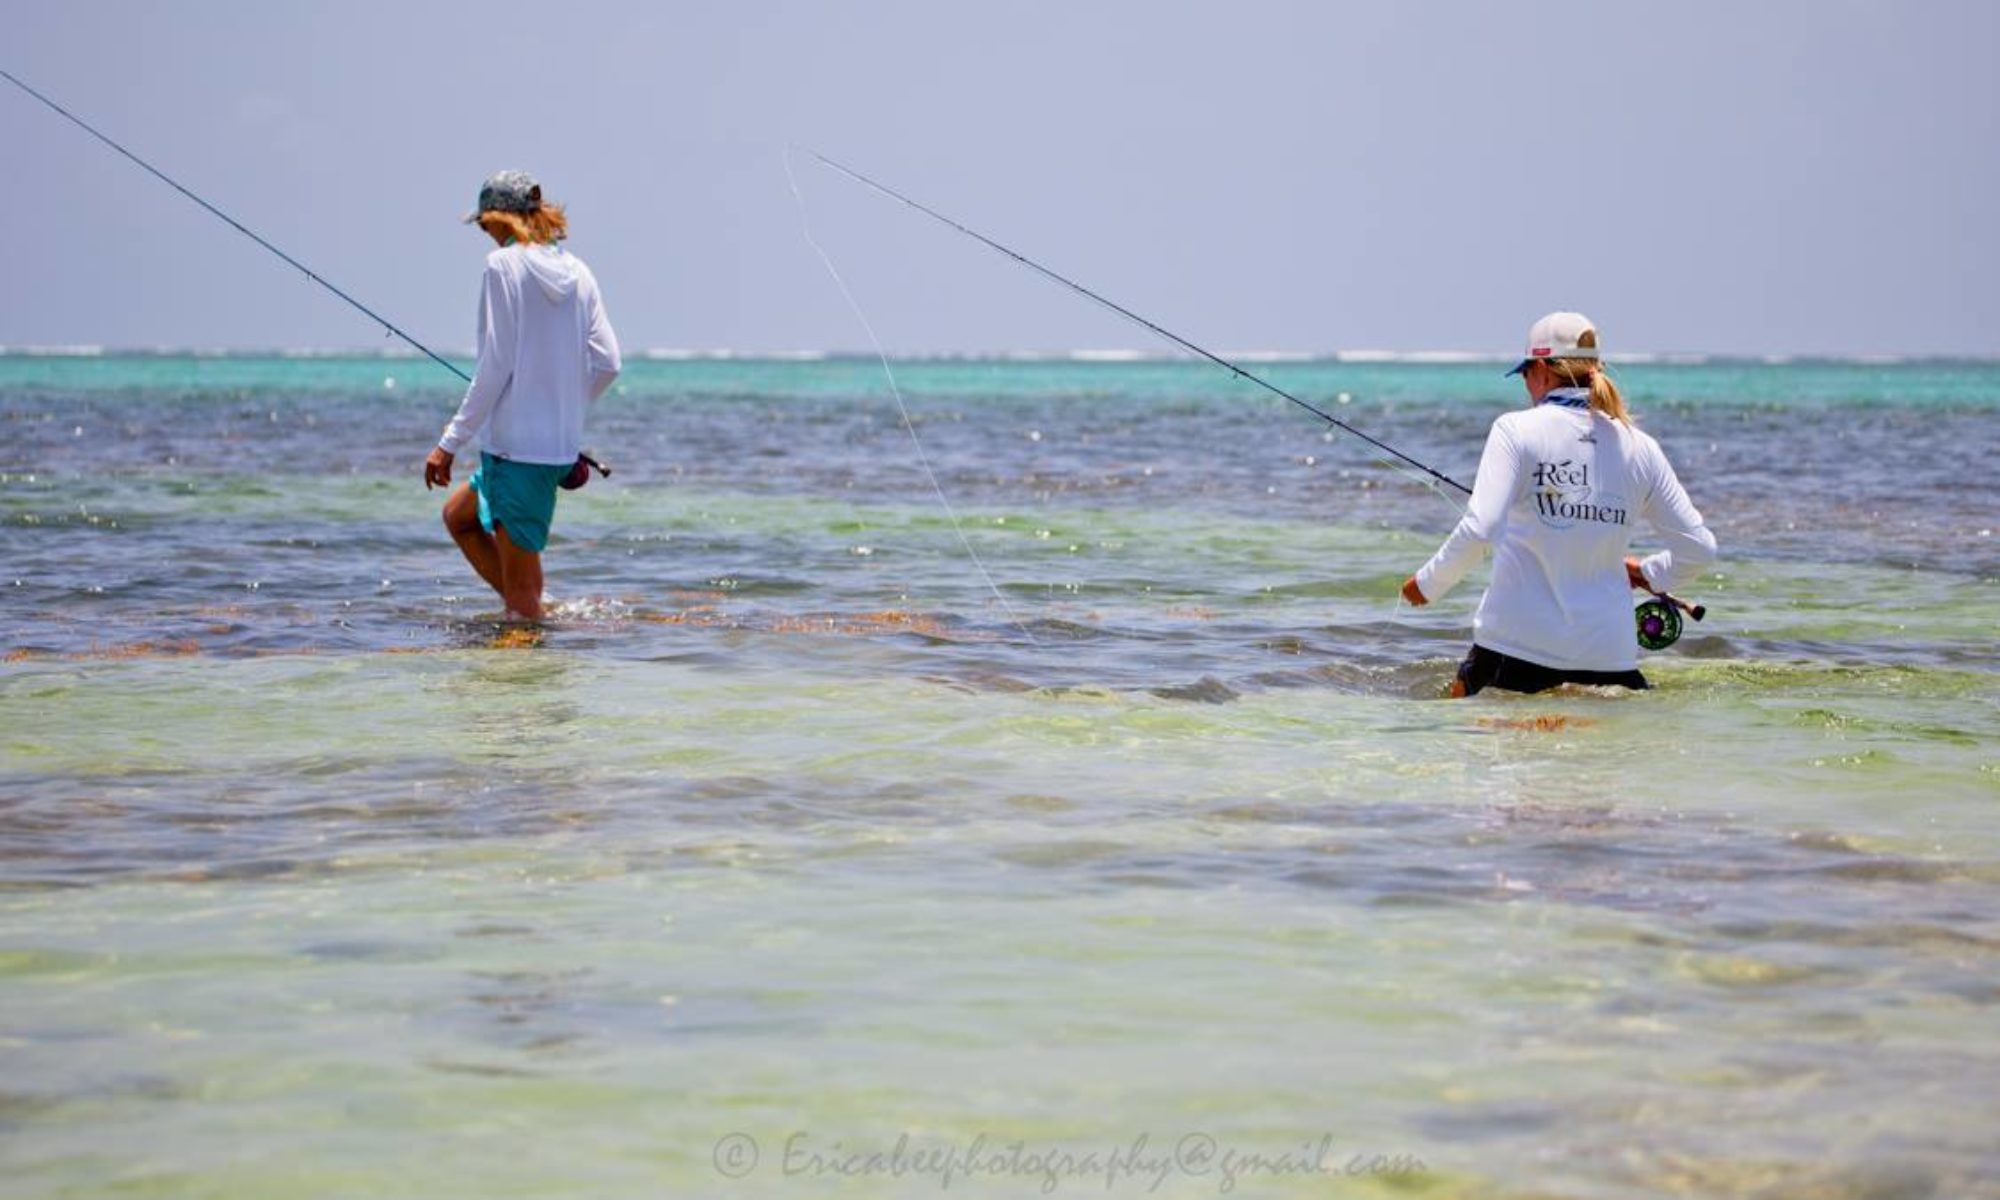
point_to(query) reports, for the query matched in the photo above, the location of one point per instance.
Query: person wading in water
(1559, 487)
(546, 353)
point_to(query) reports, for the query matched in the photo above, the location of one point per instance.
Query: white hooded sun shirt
(1559, 490)
(546, 351)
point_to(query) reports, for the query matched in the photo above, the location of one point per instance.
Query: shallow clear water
(316, 881)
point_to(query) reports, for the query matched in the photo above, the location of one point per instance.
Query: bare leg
(520, 577)
(461, 519)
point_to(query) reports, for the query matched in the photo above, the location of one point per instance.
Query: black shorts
(1485, 668)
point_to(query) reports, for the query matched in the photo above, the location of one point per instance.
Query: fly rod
(237, 225)
(1128, 314)
(1659, 623)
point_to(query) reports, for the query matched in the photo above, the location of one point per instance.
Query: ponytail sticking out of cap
(1590, 373)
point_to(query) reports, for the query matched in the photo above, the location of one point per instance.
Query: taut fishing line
(1395, 458)
(237, 225)
(889, 373)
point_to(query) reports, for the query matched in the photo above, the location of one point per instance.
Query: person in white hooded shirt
(1560, 488)
(546, 353)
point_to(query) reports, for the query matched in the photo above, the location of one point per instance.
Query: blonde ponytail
(1590, 373)
(1605, 397)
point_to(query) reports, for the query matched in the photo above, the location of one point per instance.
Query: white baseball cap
(1559, 335)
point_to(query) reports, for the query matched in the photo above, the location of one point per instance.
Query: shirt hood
(553, 269)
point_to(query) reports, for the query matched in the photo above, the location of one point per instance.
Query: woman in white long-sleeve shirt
(1561, 486)
(546, 352)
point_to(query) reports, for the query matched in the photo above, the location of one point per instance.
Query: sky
(1778, 177)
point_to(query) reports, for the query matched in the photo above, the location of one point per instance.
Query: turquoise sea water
(1111, 840)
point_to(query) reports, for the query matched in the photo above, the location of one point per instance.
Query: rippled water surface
(1105, 806)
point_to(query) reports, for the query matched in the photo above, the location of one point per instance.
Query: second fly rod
(1658, 621)
(1128, 314)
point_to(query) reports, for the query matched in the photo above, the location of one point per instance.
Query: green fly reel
(1659, 624)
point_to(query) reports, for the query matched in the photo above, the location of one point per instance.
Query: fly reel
(1659, 624)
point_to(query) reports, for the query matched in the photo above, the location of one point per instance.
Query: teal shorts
(519, 497)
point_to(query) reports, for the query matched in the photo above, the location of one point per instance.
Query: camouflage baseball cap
(508, 191)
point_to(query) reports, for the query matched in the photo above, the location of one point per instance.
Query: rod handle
(1697, 611)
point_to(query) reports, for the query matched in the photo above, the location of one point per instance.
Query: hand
(437, 468)
(1635, 576)
(1413, 593)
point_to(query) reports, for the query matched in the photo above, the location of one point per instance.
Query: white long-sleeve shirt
(1558, 492)
(546, 351)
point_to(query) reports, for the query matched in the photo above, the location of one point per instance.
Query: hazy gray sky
(1788, 176)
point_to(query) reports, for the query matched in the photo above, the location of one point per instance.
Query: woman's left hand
(1413, 593)
(1635, 576)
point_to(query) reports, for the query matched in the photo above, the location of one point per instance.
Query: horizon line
(1080, 355)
